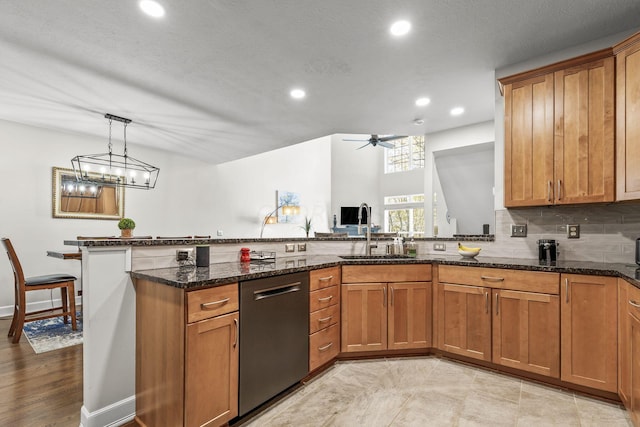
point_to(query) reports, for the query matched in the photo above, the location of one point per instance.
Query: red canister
(245, 255)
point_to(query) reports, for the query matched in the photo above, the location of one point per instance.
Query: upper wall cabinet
(559, 133)
(628, 118)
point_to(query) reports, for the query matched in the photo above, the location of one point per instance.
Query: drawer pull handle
(325, 279)
(492, 279)
(549, 191)
(325, 347)
(326, 319)
(634, 304)
(497, 304)
(559, 189)
(329, 298)
(486, 302)
(208, 305)
(566, 290)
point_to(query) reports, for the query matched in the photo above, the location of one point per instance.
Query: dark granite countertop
(229, 272)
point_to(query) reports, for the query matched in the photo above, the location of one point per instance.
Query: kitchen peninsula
(110, 267)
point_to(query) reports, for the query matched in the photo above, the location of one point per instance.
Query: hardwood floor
(39, 389)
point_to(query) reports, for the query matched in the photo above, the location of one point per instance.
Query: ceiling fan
(377, 140)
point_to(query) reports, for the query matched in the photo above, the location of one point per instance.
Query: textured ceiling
(211, 79)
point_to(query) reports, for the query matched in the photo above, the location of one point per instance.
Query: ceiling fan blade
(364, 145)
(391, 138)
(358, 140)
(386, 144)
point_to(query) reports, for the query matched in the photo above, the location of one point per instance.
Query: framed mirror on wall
(73, 199)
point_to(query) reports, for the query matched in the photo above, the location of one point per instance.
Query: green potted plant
(126, 226)
(307, 226)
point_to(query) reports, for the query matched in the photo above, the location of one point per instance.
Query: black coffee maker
(547, 251)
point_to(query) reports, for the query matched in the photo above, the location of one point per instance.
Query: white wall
(355, 176)
(242, 192)
(28, 155)
(466, 136)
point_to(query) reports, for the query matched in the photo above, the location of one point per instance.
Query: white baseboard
(116, 414)
(7, 310)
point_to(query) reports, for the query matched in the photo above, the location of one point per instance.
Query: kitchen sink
(398, 256)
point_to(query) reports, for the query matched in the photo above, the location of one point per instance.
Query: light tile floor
(428, 391)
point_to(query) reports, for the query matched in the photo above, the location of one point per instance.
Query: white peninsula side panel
(108, 337)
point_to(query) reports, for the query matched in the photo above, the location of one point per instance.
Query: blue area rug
(52, 334)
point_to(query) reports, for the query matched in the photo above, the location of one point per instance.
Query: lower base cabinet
(186, 355)
(589, 330)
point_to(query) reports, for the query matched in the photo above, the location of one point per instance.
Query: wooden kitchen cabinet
(389, 315)
(186, 355)
(624, 346)
(559, 133)
(526, 331)
(507, 317)
(211, 371)
(324, 316)
(528, 142)
(633, 313)
(588, 317)
(464, 320)
(628, 118)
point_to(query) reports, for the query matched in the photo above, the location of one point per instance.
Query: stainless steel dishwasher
(274, 337)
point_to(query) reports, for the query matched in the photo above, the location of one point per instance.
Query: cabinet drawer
(498, 278)
(386, 273)
(212, 302)
(323, 318)
(324, 278)
(324, 345)
(323, 298)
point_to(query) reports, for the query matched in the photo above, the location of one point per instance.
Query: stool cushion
(49, 278)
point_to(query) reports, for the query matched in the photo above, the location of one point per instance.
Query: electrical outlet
(439, 247)
(289, 247)
(519, 230)
(302, 247)
(219, 233)
(573, 231)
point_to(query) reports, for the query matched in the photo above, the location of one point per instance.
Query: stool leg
(65, 309)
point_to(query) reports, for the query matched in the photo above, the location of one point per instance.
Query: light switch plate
(519, 230)
(439, 247)
(573, 231)
(289, 247)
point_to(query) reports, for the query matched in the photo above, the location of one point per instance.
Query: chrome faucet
(368, 210)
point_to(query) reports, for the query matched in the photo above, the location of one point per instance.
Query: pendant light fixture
(115, 169)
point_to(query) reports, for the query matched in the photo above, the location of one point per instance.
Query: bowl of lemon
(467, 252)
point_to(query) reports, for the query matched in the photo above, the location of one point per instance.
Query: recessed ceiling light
(400, 28)
(297, 93)
(457, 111)
(421, 102)
(152, 8)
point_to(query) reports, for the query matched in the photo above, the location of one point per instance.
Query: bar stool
(64, 282)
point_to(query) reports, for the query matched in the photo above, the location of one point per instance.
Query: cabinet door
(409, 315)
(624, 360)
(464, 320)
(628, 122)
(528, 142)
(211, 366)
(584, 146)
(364, 317)
(634, 353)
(588, 316)
(526, 331)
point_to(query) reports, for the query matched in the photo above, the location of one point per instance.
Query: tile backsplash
(607, 232)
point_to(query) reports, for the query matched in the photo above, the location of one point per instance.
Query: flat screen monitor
(349, 215)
